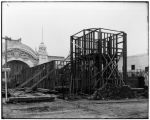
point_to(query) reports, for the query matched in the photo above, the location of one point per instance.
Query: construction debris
(28, 95)
(110, 91)
(43, 90)
(46, 91)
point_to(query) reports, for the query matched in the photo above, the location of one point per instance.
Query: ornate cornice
(20, 53)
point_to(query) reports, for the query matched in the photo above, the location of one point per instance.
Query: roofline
(56, 56)
(138, 55)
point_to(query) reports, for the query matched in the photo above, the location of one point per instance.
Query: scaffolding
(94, 57)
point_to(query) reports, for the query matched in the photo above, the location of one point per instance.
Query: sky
(60, 20)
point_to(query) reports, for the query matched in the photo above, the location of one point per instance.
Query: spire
(42, 52)
(42, 33)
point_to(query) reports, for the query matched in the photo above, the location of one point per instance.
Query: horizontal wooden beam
(31, 99)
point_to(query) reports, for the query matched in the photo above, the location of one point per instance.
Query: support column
(124, 57)
(100, 54)
(71, 59)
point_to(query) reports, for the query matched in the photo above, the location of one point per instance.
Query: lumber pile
(28, 95)
(46, 91)
(110, 91)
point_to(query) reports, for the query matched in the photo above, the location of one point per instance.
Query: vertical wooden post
(116, 49)
(124, 57)
(84, 40)
(6, 96)
(71, 57)
(84, 82)
(100, 52)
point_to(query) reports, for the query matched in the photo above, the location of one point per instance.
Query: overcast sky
(60, 20)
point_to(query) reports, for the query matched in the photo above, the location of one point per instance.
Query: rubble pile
(110, 91)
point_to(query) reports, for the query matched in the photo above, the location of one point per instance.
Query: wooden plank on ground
(31, 99)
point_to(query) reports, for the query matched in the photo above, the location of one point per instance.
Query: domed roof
(17, 44)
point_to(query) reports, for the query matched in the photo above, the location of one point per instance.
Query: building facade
(20, 56)
(135, 63)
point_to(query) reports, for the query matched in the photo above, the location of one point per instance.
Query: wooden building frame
(95, 53)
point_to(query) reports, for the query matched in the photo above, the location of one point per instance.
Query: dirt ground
(129, 108)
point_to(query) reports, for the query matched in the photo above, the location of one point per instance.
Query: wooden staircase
(38, 76)
(47, 75)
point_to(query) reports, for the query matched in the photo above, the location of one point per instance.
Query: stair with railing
(37, 75)
(47, 75)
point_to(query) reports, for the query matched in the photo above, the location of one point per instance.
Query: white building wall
(43, 59)
(140, 62)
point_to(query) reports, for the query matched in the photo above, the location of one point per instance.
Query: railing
(29, 76)
(49, 75)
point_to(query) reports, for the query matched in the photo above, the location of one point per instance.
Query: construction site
(85, 84)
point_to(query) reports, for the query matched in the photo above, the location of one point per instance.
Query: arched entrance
(16, 67)
(19, 57)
